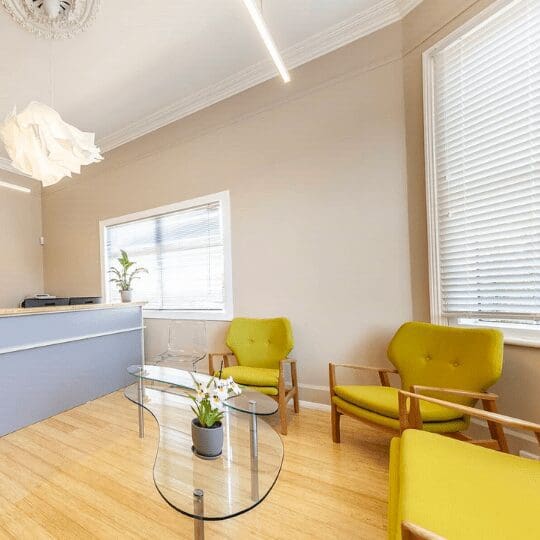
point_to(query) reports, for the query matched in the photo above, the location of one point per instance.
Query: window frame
(223, 197)
(526, 336)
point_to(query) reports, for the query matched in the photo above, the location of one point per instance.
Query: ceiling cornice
(383, 13)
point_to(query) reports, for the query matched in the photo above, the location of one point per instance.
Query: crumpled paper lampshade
(43, 146)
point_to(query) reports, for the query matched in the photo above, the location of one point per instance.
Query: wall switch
(529, 455)
(41, 240)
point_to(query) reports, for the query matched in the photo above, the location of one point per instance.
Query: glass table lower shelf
(230, 485)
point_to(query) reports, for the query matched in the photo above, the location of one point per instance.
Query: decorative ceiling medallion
(53, 19)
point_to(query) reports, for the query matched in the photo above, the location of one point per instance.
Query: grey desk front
(53, 359)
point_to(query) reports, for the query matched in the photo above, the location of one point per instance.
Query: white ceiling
(144, 63)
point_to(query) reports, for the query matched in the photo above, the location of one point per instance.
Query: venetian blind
(183, 253)
(486, 124)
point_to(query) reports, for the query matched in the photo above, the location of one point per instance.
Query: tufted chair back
(447, 357)
(260, 342)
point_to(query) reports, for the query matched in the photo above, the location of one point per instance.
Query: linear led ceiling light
(15, 187)
(258, 19)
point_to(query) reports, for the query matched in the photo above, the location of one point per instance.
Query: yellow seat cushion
(462, 491)
(268, 390)
(384, 400)
(452, 426)
(251, 376)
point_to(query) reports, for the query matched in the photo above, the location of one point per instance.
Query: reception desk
(55, 358)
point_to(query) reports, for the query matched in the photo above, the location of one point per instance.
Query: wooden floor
(86, 474)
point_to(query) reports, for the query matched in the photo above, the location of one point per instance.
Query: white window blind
(184, 254)
(484, 160)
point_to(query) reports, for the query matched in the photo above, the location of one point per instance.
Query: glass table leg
(254, 450)
(141, 409)
(198, 507)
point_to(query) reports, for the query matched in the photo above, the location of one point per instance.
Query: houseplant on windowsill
(124, 276)
(206, 427)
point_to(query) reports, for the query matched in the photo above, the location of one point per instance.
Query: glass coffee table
(206, 490)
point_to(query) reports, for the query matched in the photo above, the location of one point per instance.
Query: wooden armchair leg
(336, 432)
(294, 380)
(495, 429)
(283, 414)
(335, 415)
(282, 400)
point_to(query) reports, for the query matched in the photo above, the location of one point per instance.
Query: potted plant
(124, 276)
(206, 427)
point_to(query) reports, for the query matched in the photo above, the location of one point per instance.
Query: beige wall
(316, 173)
(328, 201)
(21, 253)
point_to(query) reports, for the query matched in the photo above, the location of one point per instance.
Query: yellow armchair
(446, 489)
(261, 348)
(457, 363)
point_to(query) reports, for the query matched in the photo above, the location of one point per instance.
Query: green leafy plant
(206, 415)
(124, 276)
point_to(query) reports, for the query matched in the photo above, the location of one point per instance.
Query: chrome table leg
(254, 450)
(198, 507)
(141, 409)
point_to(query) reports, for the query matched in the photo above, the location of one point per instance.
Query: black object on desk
(44, 302)
(80, 300)
(52, 301)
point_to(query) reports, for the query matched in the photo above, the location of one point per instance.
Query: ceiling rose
(53, 19)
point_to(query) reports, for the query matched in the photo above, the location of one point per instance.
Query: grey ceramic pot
(126, 295)
(208, 442)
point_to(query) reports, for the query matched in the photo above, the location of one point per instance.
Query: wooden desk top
(15, 312)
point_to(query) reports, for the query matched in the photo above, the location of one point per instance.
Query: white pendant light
(258, 19)
(43, 146)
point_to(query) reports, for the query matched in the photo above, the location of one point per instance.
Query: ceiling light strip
(15, 187)
(258, 19)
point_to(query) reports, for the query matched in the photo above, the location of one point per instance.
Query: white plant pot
(126, 295)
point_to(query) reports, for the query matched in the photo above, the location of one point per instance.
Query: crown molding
(383, 13)
(406, 6)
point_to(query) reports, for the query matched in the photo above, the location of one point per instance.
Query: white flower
(215, 401)
(198, 386)
(223, 393)
(235, 389)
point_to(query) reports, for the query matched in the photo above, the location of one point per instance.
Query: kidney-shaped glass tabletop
(248, 401)
(233, 483)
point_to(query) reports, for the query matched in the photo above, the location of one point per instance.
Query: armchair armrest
(224, 355)
(408, 419)
(366, 368)
(410, 531)
(487, 396)
(488, 402)
(382, 371)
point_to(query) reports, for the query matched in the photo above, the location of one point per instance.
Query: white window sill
(521, 341)
(523, 337)
(171, 314)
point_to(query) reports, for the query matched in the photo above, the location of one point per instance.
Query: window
(482, 122)
(186, 249)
